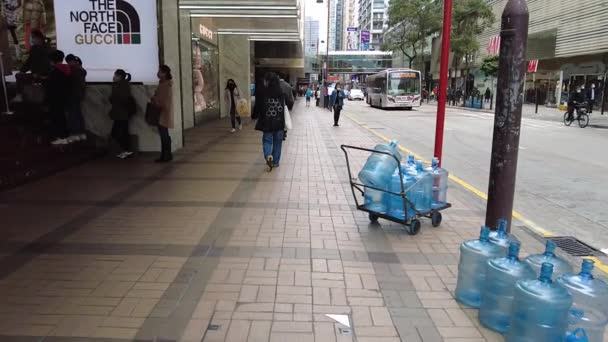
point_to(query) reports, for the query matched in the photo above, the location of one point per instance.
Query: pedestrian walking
(317, 96)
(591, 97)
(488, 95)
(58, 90)
(269, 111)
(232, 95)
(163, 100)
(308, 96)
(336, 103)
(78, 80)
(121, 100)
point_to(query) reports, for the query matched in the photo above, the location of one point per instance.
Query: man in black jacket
(57, 91)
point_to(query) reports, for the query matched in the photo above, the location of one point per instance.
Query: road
(562, 177)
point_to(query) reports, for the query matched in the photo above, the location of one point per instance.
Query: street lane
(562, 179)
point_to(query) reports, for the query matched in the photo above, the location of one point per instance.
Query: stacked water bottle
(538, 299)
(426, 187)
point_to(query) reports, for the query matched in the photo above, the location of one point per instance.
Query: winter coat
(228, 103)
(78, 82)
(119, 99)
(58, 84)
(270, 113)
(337, 98)
(163, 99)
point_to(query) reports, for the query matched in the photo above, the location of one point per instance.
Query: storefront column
(558, 89)
(234, 52)
(170, 55)
(185, 46)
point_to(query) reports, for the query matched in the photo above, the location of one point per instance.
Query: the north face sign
(107, 22)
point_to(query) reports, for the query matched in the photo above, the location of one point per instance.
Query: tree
(470, 18)
(410, 22)
(489, 66)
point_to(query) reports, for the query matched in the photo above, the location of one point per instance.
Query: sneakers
(60, 142)
(73, 138)
(82, 137)
(233, 130)
(240, 127)
(124, 155)
(269, 163)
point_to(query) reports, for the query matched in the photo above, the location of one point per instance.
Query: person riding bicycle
(575, 100)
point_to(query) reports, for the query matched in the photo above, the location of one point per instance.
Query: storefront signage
(205, 32)
(532, 66)
(109, 35)
(204, 28)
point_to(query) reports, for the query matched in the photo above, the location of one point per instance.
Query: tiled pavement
(213, 248)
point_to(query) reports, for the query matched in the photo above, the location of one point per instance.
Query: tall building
(311, 36)
(336, 25)
(373, 17)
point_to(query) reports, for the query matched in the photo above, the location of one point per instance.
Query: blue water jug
(590, 295)
(499, 288)
(474, 255)
(501, 237)
(440, 184)
(540, 309)
(411, 163)
(423, 189)
(396, 203)
(377, 172)
(560, 265)
(578, 335)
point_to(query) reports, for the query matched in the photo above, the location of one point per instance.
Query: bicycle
(581, 116)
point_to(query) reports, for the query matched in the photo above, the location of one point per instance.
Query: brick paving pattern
(212, 248)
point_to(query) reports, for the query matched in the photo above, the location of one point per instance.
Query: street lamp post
(443, 78)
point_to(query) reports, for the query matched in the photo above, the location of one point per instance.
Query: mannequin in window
(34, 18)
(198, 83)
(11, 13)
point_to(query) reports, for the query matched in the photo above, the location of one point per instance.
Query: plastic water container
(590, 307)
(440, 184)
(396, 203)
(499, 289)
(540, 309)
(474, 256)
(410, 165)
(422, 191)
(578, 335)
(501, 237)
(560, 265)
(377, 172)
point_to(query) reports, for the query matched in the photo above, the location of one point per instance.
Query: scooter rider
(576, 99)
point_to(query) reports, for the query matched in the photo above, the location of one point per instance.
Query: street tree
(489, 66)
(470, 18)
(410, 22)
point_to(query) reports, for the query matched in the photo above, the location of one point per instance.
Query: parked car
(356, 94)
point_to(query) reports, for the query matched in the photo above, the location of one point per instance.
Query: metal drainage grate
(573, 246)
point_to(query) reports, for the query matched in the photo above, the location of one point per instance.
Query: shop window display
(205, 79)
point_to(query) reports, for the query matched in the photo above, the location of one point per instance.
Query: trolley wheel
(414, 227)
(436, 219)
(373, 218)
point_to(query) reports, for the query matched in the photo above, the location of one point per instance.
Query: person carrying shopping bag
(336, 102)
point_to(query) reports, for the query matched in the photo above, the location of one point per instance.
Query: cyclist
(576, 99)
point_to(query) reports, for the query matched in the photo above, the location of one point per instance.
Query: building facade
(311, 37)
(571, 52)
(373, 18)
(336, 24)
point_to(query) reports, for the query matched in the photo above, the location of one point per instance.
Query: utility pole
(507, 119)
(443, 78)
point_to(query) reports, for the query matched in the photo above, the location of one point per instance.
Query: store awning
(273, 20)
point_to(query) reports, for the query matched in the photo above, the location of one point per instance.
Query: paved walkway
(213, 248)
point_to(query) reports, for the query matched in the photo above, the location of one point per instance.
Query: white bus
(395, 88)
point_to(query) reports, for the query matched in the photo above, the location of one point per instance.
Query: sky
(318, 12)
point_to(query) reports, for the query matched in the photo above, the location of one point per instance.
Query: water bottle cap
(435, 162)
(419, 165)
(502, 225)
(394, 143)
(411, 158)
(577, 313)
(587, 267)
(484, 234)
(550, 248)
(546, 270)
(514, 250)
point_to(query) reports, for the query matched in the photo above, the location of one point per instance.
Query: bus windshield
(403, 83)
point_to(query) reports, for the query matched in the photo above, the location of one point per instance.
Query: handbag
(243, 108)
(288, 123)
(152, 114)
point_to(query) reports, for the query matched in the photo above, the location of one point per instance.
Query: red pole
(443, 77)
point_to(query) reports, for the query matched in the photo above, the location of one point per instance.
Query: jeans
(234, 119)
(165, 143)
(75, 119)
(120, 133)
(272, 143)
(337, 110)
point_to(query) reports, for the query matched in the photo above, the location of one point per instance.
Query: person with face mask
(591, 96)
(576, 99)
(336, 102)
(231, 98)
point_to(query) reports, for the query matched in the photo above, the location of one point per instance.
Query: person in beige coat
(163, 99)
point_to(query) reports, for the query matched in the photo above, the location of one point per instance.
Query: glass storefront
(205, 72)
